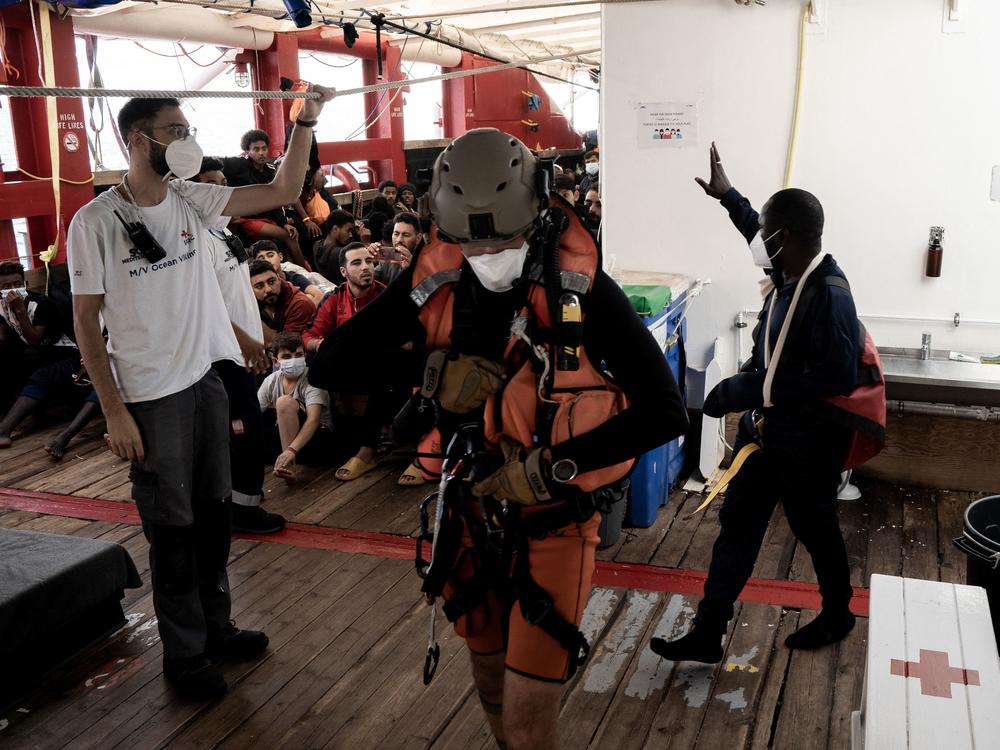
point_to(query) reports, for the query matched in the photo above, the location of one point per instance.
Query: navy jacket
(822, 352)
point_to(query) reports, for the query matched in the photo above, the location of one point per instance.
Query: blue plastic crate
(658, 470)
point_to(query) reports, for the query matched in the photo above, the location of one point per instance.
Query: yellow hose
(794, 135)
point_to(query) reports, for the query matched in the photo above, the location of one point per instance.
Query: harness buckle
(494, 523)
(537, 609)
(422, 564)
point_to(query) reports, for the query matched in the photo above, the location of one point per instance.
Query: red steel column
(280, 60)
(31, 126)
(389, 124)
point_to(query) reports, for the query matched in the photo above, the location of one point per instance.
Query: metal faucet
(925, 346)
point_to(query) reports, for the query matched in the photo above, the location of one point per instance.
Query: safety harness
(552, 392)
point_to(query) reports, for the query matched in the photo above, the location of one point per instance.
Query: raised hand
(718, 183)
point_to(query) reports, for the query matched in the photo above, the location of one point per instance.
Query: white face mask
(592, 167)
(183, 157)
(758, 250)
(20, 291)
(293, 367)
(498, 271)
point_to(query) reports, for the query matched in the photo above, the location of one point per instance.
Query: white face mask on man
(498, 271)
(758, 250)
(183, 156)
(592, 167)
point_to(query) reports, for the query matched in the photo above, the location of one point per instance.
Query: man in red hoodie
(357, 266)
(282, 306)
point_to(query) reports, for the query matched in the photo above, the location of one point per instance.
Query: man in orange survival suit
(559, 435)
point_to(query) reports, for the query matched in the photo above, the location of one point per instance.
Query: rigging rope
(71, 91)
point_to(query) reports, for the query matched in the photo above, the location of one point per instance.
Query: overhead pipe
(929, 409)
(435, 53)
(173, 24)
(331, 39)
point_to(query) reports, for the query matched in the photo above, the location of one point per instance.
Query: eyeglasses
(178, 131)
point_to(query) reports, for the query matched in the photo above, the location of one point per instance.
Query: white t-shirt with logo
(234, 281)
(166, 321)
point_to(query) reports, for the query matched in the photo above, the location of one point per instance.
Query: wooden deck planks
(950, 507)
(127, 662)
(804, 720)
(348, 634)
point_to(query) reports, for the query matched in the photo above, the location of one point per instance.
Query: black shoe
(828, 627)
(194, 678)
(698, 645)
(233, 644)
(255, 520)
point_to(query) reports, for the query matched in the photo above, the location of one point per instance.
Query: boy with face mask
(301, 412)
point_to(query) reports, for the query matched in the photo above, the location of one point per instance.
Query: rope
(28, 174)
(71, 91)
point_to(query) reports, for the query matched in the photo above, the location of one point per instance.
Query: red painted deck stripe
(790, 594)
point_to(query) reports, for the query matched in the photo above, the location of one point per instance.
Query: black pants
(388, 387)
(19, 362)
(246, 433)
(799, 465)
(182, 490)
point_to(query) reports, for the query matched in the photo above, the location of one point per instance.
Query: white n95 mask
(498, 271)
(184, 158)
(758, 251)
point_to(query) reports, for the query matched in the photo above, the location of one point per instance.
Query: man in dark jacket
(802, 452)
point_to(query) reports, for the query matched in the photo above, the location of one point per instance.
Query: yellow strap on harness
(745, 452)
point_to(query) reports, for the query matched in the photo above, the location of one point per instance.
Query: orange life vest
(582, 399)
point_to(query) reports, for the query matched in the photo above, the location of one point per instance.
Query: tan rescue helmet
(483, 188)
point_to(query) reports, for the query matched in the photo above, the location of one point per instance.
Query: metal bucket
(981, 545)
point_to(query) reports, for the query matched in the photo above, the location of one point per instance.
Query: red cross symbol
(934, 673)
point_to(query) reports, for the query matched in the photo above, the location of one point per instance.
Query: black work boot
(232, 644)
(252, 519)
(700, 644)
(829, 627)
(194, 678)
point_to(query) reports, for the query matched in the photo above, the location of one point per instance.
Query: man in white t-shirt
(246, 431)
(140, 267)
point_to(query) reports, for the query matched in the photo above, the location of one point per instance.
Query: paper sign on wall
(667, 124)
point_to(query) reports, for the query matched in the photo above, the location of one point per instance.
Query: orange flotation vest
(572, 401)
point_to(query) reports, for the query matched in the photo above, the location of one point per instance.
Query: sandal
(412, 477)
(353, 469)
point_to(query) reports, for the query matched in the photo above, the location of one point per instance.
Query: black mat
(57, 595)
